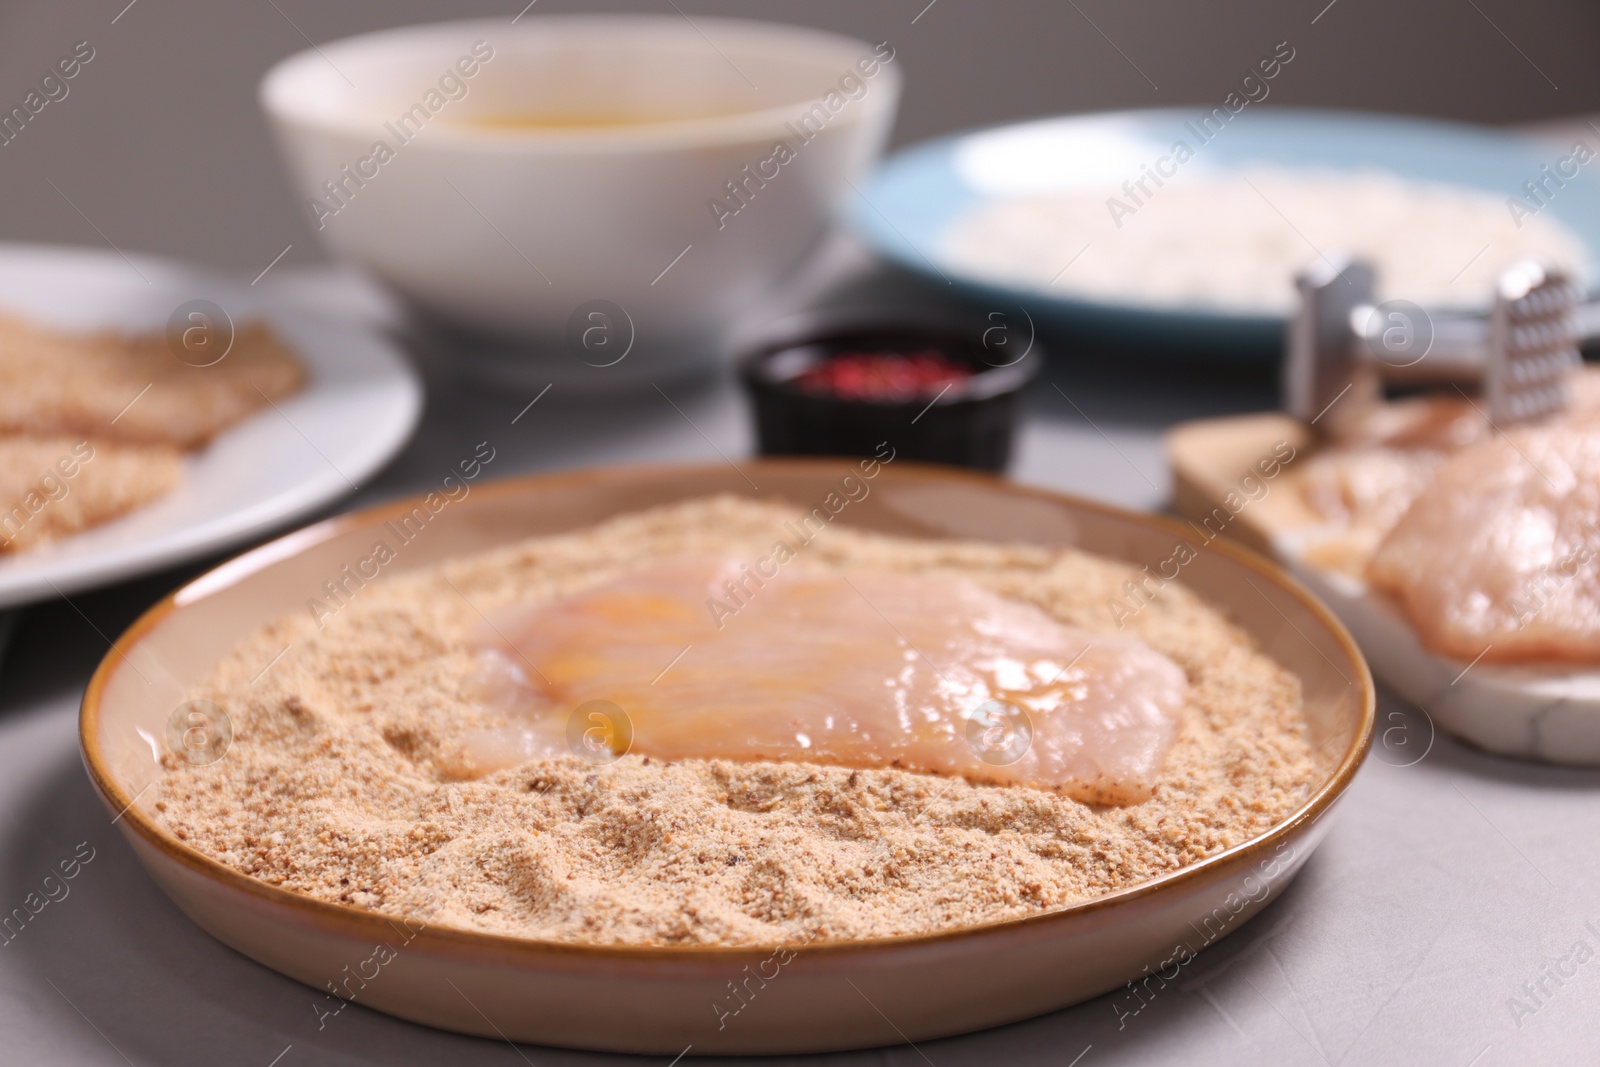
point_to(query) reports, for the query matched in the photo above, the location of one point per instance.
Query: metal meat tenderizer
(1343, 349)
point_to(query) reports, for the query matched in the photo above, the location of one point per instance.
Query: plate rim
(531, 950)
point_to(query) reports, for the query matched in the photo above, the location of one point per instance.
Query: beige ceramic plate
(661, 1000)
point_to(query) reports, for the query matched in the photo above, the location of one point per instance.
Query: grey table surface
(1450, 917)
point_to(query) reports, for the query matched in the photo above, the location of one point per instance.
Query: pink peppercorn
(883, 376)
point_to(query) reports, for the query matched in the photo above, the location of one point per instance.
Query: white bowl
(516, 234)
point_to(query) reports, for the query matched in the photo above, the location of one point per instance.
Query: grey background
(160, 146)
(1448, 882)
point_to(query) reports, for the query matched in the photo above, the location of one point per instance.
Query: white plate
(908, 208)
(357, 409)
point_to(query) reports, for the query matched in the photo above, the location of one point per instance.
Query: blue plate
(909, 204)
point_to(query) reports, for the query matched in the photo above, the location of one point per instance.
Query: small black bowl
(971, 424)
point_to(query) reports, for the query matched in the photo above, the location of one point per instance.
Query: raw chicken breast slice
(852, 667)
(1495, 556)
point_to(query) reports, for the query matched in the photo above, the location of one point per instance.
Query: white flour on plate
(1233, 241)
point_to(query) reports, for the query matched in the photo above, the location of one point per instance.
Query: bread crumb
(51, 487)
(337, 787)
